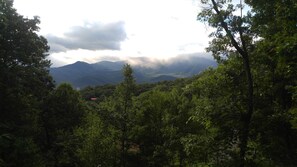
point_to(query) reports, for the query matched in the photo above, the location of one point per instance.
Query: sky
(96, 30)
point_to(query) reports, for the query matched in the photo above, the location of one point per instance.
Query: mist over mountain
(146, 70)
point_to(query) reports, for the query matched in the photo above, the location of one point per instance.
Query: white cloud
(154, 28)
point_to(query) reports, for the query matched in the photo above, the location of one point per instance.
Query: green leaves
(24, 84)
(62, 115)
(98, 145)
(232, 115)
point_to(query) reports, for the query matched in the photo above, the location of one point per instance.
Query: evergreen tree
(121, 116)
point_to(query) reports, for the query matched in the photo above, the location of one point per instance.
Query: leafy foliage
(62, 115)
(206, 120)
(24, 84)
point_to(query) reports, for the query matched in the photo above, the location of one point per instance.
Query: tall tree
(233, 35)
(24, 84)
(275, 23)
(123, 115)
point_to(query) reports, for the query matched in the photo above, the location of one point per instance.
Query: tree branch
(229, 34)
(246, 118)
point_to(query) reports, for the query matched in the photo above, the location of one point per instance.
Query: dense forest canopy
(241, 113)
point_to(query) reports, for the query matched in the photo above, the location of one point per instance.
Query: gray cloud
(149, 62)
(96, 36)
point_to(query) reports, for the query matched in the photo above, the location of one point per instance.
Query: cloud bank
(151, 62)
(94, 36)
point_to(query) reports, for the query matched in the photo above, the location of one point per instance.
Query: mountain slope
(82, 74)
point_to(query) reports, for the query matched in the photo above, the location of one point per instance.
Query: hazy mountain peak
(81, 74)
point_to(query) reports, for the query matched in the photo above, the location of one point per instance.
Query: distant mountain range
(146, 70)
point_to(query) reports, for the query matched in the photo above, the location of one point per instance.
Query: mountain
(82, 74)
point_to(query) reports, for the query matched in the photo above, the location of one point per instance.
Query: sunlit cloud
(94, 30)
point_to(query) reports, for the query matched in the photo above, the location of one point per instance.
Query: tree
(24, 84)
(276, 64)
(97, 146)
(150, 137)
(233, 32)
(178, 126)
(269, 37)
(62, 115)
(218, 104)
(122, 111)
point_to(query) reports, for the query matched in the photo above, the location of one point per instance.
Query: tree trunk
(246, 117)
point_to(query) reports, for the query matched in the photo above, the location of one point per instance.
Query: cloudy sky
(95, 30)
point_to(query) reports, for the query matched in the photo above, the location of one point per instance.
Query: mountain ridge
(81, 74)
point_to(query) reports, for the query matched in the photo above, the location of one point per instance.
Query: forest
(241, 113)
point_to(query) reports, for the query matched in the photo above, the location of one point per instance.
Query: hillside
(82, 74)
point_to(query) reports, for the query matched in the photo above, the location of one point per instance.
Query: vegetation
(242, 113)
